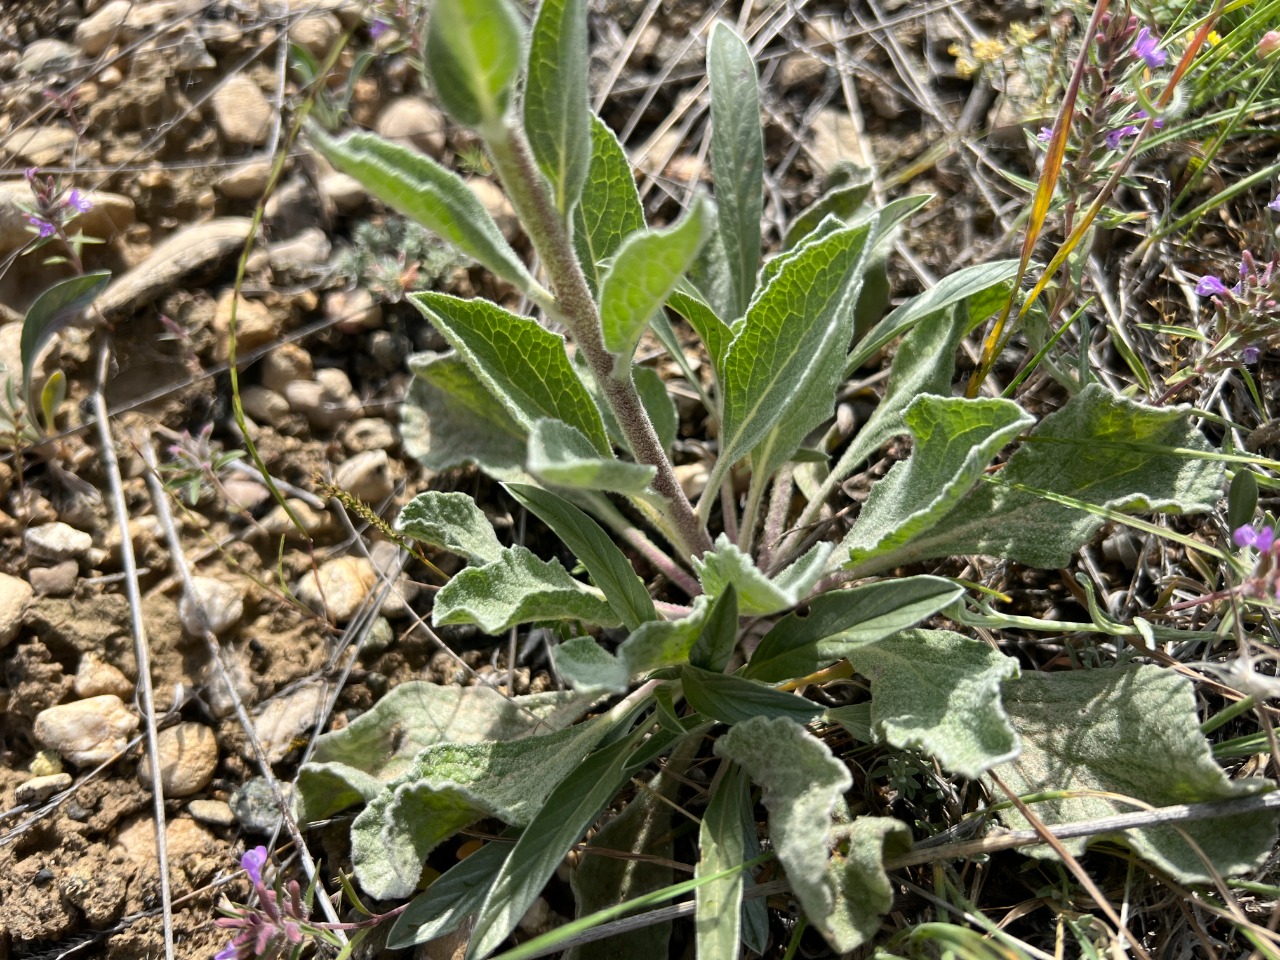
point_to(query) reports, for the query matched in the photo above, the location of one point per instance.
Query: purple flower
(1147, 46)
(44, 226)
(1260, 539)
(1211, 286)
(227, 953)
(1115, 136)
(1158, 123)
(378, 28)
(1045, 134)
(252, 863)
(77, 200)
(1274, 205)
(1250, 354)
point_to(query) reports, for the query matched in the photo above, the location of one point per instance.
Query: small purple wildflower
(227, 953)
(1250, 355)
(1274, 205)
(1260, 539)
(79, 201)
(44, 226)
(1115, 136)
(1147, 46)
(1211, 286)
(1045, 134)
(252, 863)
(378, 28)
(1158, 123)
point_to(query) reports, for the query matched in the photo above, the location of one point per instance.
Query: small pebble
(369, 433)
(338, 588)
(56, 541)
(39, 789)
(412, 122)
(216, 813)
(58, 580)
(310, 248)
(264, 405)
(285, 364)
(247, 181)
(346, 192)
(255, 805)
(243, 113)
(188, 756)
(95, 677)
(86, 732)
(288, 717)
(15, 594)
(352, 311)
(223, 605)
(366, 476)
(276, 522)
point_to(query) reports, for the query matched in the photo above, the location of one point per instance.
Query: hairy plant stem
(576, 308)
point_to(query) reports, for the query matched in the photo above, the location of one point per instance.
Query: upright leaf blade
(523, 364)
(737, 157)
(645, 271)
(608, 567)
(722, 843)
(53, 310)
(420, 188)
(454, 895)
(610, 209)
(473, 57)
(557, 118)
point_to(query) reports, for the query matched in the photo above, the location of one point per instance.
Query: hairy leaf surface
(453, 522)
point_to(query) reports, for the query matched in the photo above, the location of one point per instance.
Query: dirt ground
(167, 115)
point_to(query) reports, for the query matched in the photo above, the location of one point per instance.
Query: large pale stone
(188, 756)
(87, 732)
(15, 594)
(243, 113)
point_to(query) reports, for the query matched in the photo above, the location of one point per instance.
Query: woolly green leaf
(567, 813)
(609, 569)
(758, 595)
(939, 692)
(473, 57)
(351, 765)
(1132, 731)
(610, 209)
(840, 621)
(955, 440)
(450, 419)
(523, 364)
(714, 333)
(589, 668)
(737, 157)
(804, 788)
(561, 456)
(731, 699)
(451, 786)
(664, 643)
(556, 116)
(518, 588)
(804, 314)
(453, 522)
(722, 844)
(452, 897)
(841, 202)
(1099, 449)
(421, 189)
(642, 275)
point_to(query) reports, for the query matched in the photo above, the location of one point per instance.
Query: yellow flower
(1020, 34)
(988, 51)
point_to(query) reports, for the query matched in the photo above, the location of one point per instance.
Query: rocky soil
(173, 118)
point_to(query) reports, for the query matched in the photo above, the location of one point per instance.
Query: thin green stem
(575, 306)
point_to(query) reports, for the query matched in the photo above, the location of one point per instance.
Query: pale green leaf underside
(722, 844)
(1132, 731)
(937, 691)
(643, 273)
(556, 116)
(1099, 449)
(453, 522)
(473, 56)
(757, 594)
(737, 157)
(518, 588)
(450, 419)
(423, 190)
(523, 364)
(610, 208)
(589, 668)
(452, 785)
(954, 442)
(804, 787)
(840, 621)
(561, 456)
(351, 765)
